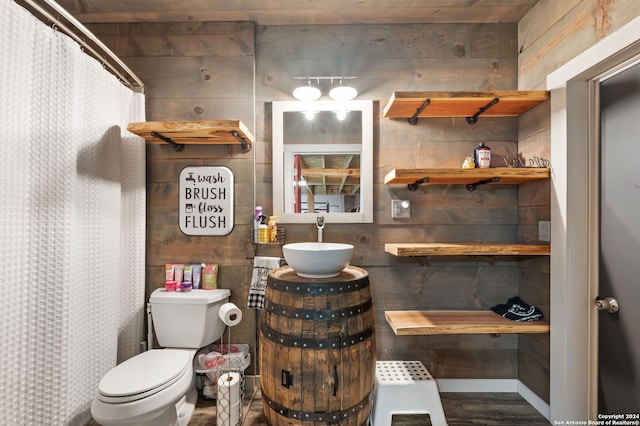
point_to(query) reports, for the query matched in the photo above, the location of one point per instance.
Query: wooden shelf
(222, 132)
(466, 249)
(506, 175)
(410, 323)
(463, 104)
(472, 105)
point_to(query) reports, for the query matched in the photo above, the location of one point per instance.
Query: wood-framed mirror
(323, 161)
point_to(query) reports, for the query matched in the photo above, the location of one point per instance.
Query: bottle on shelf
(272, 228)
(256, 222)
(482, 156)
(263, 231)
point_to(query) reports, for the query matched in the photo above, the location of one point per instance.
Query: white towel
(261, 267)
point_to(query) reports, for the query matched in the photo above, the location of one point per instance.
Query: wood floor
(486, 409)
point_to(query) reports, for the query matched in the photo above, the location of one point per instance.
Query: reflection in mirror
(322, 161)
(325, 179)
(326, 183)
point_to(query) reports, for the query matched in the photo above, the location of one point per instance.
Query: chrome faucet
(320, 225)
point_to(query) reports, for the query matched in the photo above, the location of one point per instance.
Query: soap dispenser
(263, 231)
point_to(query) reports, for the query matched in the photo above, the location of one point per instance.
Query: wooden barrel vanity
(317, 349)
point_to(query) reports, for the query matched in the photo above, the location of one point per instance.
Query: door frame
(574, 244)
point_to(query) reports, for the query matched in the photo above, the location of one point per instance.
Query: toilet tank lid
(197, 296)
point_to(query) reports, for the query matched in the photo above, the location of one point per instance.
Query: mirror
(323, 161)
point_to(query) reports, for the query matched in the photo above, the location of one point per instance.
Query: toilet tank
(187, 320)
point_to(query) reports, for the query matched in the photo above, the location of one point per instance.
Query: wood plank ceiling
(301, 12)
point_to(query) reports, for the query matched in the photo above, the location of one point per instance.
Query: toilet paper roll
(229, 386)
(230, 314)
(228, 416)
(228, 403)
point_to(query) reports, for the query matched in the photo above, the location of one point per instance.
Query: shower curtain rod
(51, 13)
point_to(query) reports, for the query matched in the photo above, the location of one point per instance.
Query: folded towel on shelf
(517, 310)
(261, 267)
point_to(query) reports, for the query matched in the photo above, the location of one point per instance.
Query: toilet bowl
(157, 387)
(150, 388)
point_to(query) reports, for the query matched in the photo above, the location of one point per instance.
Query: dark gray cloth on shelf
(517, 310)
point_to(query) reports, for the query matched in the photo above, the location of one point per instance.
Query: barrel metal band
(316, 289)
(330, 417)
(316, 315)
(336, 342)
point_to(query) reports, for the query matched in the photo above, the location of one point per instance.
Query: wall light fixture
(339, 89)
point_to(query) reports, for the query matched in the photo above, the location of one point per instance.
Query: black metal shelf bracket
(177, 147)
(413, 120)
(474, 118)
(414, 186)
(474, 186)
(243, 142)
(490, 256)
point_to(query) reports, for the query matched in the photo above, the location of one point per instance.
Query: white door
(619, 251)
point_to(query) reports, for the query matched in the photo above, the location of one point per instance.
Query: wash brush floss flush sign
(206, 200)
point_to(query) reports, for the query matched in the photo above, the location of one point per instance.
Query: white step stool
(405, 387)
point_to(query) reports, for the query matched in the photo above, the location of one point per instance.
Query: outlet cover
(400, 209)
(544, 230)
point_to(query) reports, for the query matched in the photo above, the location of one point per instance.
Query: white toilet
(157, 387)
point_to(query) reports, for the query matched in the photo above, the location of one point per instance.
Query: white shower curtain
(72, 226)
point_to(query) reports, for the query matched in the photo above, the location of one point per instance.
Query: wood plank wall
(549, 36)
(414, 57)
(194, 71)
(554, 32)
(204, 71)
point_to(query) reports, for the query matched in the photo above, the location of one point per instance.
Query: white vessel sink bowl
(317, 260)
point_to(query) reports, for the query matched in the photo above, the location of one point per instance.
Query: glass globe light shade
(343, 93)
(306, 92)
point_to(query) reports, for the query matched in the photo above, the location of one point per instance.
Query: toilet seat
(144, 375)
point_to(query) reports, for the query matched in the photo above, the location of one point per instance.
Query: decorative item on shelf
(468, 163)
(519, 162)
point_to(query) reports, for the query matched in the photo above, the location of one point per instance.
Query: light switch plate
(544, 230)
(400, 209)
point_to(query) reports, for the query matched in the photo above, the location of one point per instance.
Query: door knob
(608, 304)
